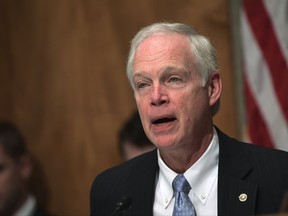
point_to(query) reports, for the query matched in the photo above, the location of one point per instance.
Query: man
(15, 172)
(132, 140)
(196, 169)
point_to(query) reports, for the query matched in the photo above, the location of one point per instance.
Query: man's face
(10, 182)
(173, 103)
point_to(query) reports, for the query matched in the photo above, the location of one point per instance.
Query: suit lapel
(141, 185)
(236, 196)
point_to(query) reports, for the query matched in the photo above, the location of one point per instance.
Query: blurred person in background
(132, 139)
(16, 167)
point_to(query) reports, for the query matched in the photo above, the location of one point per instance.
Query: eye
(141, 85)
(174, 79)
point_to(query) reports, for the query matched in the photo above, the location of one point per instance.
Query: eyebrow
(166, 70)
(169, 70)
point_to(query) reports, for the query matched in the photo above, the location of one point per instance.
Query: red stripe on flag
(263, 30)
(257, 129)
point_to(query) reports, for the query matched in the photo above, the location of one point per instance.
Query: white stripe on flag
(278, 12)
(259, 80)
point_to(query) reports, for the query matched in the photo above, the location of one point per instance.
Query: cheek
(142, 109)
(185, 100)
(141, 101)
(191, 105)
(143, 106)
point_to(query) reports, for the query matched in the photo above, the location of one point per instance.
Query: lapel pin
(243, 197)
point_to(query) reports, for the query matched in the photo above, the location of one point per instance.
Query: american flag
(264, 29)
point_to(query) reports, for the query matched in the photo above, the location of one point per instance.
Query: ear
(214, 88)
(26, 166)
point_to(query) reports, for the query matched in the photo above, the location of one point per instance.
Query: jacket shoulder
(114, 183)
(234, 146)
(123, 170)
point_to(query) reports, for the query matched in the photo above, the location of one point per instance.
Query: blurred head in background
(132, 138)
(15, 169)
(20, 184)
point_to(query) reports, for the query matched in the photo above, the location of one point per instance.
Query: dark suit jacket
(260, 173)
(39, 211)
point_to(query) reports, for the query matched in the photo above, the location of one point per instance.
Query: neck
(182, 158)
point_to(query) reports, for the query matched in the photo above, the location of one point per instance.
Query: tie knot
(180, 184)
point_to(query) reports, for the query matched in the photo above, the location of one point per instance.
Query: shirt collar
(201, 175)
(28, 207)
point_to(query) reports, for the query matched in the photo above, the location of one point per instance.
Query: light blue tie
(183, 205)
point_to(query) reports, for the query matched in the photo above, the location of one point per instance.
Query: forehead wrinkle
(156, 47)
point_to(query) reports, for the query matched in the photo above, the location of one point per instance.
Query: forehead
(164, 48)
(161, 42)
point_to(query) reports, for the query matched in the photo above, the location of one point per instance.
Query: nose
(159, 96)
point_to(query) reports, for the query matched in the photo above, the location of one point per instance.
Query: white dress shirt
(202, 177)
(27, 208)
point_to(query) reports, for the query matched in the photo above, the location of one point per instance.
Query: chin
(165, 143)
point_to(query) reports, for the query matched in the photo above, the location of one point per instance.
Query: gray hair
(203, 50)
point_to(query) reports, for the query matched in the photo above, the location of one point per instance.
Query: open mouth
(163, 121)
